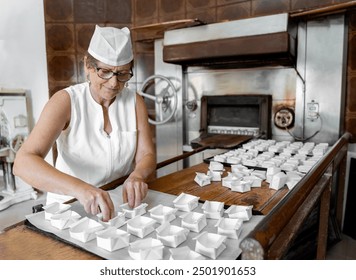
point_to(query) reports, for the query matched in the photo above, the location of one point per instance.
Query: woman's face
(105, 89)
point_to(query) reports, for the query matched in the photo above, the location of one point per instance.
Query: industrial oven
(264, 56)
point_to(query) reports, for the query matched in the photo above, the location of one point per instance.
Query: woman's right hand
(97, 201)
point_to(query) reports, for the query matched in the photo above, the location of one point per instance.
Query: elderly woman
(102, 132)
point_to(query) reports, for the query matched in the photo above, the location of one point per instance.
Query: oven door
(237, 114)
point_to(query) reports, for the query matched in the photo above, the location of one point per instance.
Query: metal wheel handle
(165, 99)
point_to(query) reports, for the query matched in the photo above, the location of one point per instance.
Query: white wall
(23, 51)
(23, 62)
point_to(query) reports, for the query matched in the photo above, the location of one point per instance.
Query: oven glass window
(239, 116)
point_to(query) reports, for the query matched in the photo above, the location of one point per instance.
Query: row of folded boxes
(111, 238)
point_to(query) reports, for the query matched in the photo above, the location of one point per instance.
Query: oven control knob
(191, 105)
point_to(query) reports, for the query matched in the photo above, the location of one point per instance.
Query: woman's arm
(135, 187)
(30, 165)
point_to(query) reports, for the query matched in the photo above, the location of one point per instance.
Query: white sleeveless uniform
(85, 150)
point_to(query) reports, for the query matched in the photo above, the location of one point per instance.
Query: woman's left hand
(134, 191)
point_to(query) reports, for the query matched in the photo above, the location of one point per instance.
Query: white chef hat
(111, 45)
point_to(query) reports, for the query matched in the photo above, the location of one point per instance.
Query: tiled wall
(154, 11)
(70, 23)
(350, 112)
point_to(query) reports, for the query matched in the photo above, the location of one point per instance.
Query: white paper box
(112, 239)
(259, 173)
(233, 160)
(84, 229)
(241, 186)
(242, 150)
(304, 151)
(270, 172)
(228, 182)
(318, 152)
(253, 152)
(278, 181)
(256, 182)
(65, 219)
(210, 244)
(309, 162)
(294, 161)
(290, 150)
(230, 153)
(229, 227)
(216, 166)
(231, 179)
(213, 209)
(146, 249)
(246, 156)
(250, 162)
(202, 179)
(133, 212)
(184, 253)
(300, 157)
(278, 162)
(239, 168)
(297, 144)
(261, 148)
(264, 156)
(118, 221)
(140, 226)
(162, 213)
(293, 178)
(214, 175)
(268, 164)
(220, 158)
(269, 154)
(284, 155)
(273, 170)
(249, 145)
(322, 145)
(240, 212)
(55, 208)
(194, 221)
(297, 174)
(235, 176)
(186, 202)
(289, 166)
(171, 235)
(291, 183)
(275, 149)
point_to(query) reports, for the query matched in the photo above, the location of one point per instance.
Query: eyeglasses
(107, 74)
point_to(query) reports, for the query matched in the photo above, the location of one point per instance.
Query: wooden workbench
(21, 242)
(263, 199)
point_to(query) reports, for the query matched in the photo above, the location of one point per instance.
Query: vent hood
(259, 41)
